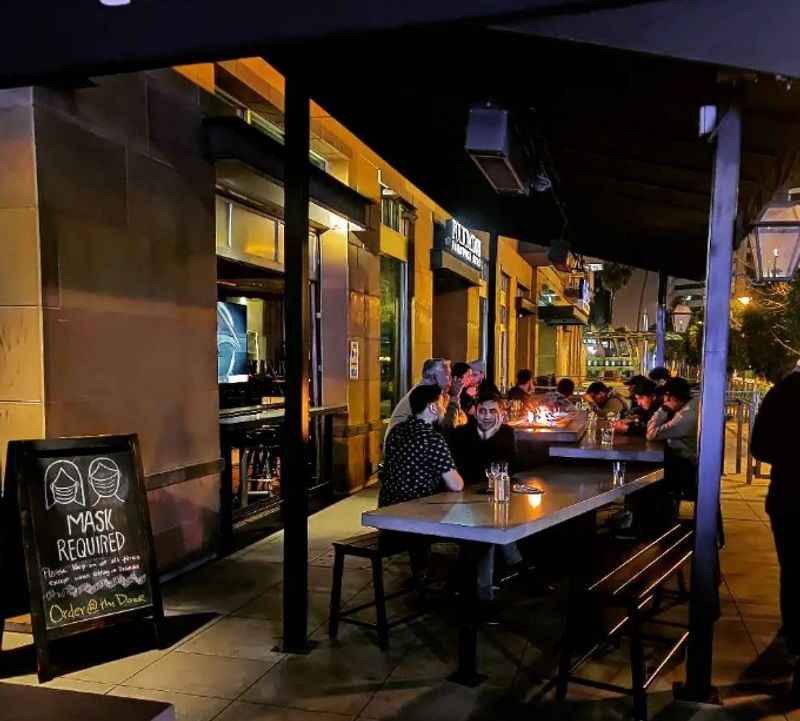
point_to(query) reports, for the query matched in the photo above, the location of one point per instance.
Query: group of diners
(450, 427)
(433, 444)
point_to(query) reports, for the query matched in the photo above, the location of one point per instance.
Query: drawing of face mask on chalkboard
(63, 485)
(104, 479)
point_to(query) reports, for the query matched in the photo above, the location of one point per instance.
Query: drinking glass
(502, 485)
(490, 478)
(618, 472)
(607, 436)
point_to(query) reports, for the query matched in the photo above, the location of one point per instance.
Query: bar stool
(374, 547)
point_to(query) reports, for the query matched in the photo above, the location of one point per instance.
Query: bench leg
(380, 603)
(637, 665)
(336, 593)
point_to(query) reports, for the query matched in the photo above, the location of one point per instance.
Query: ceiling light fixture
(114, 3)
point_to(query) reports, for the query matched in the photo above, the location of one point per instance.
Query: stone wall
(126, 214)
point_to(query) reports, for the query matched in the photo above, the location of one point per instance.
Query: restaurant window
(394, 342)
(390, 207)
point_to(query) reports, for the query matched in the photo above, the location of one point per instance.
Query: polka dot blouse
(415, 457)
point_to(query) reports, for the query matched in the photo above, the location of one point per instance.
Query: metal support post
(739, 432)
(661, 320)
(491, 307)
(295, 467)
(704, 606)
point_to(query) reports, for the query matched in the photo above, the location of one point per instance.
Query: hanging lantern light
(681, 317)
(775, 239)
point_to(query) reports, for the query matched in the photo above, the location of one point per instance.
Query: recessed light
(114, 3)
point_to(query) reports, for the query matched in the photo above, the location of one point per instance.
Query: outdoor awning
(562, 315)
(230, 138)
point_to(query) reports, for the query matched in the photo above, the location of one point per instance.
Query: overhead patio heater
(775, 239)
(492, 146)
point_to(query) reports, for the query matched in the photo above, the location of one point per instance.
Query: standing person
(773, 441)
(524, 388)
(605, 400)
(436, 372)
(485, 440)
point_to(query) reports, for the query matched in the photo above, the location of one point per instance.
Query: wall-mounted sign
(463, 243)
(353, 360)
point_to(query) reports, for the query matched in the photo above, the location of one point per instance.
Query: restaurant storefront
(157, 306)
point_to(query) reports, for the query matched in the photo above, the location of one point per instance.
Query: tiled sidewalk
(227, 669)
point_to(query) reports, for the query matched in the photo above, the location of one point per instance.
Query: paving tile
(269, 606)
(118, 670)
(187, 707)
(336, 678)
(200, 674)
(72, 684)
(242, 711)
(238, 638)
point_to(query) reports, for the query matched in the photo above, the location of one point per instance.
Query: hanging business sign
(463, 243)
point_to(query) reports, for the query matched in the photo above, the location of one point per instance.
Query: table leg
(467, 673)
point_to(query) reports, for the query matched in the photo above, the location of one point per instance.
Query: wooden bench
(375, 547)
(637, 586)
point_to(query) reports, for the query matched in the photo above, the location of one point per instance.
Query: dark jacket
(472, 454)
(773, 441)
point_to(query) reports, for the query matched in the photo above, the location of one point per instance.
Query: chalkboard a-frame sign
(85, 528)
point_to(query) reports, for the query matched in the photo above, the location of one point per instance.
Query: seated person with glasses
(646, 403)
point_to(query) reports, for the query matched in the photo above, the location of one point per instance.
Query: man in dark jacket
(485, 439)
(774, 441)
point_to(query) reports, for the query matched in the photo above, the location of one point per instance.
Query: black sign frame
(21, 471)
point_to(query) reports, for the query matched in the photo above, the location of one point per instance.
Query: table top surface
(624, 448)
(569, 490)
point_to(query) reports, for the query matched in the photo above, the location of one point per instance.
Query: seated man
(676, 423)
(522, 391)
(645, 398)
(605, 400)
(417, 461)
(485, 440)
(561, 398)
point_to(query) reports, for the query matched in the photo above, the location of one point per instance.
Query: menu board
(86, 532)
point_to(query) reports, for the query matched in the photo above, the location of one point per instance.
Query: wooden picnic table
(570, 490)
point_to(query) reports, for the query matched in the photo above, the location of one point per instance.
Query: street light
(775, 239)
(681, 317)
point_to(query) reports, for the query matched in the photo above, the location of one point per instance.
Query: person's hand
(456, 387)
(621, 426)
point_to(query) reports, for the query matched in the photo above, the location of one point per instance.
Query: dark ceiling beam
(638, 190)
